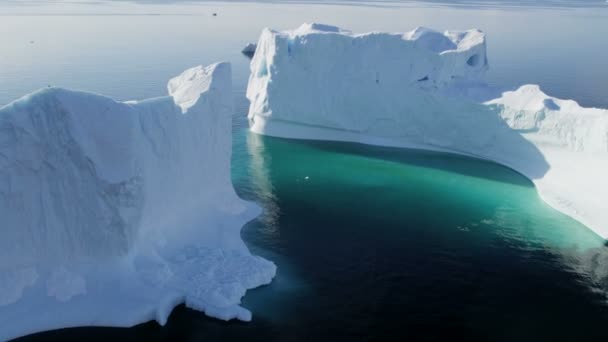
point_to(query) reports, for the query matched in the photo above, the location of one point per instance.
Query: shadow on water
(181, 326)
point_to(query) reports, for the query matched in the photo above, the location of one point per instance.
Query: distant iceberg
(113, 213)
(424, 89)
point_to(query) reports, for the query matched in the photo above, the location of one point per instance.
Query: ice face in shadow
(113, 213)
(249, 50)
(424, 89)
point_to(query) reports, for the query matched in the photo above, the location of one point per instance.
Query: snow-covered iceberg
(113, 213)
(424, 89)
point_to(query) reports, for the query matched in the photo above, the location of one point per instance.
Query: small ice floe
(463, 228)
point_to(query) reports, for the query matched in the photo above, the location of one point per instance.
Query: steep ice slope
(421, 89)
(573, 141)
(113, 213)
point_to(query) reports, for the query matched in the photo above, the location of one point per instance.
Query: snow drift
(113, 213)
(424, 89)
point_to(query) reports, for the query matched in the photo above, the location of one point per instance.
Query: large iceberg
(113, 213)
(424, 89)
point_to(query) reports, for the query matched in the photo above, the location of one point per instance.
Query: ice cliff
(113, 213)
(425, 89)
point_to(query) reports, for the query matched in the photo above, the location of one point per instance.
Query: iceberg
(425, 89)
(115, 212)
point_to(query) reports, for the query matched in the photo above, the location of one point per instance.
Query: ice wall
(113, 213)
(347, 74)
(574, 143)
(424, 89)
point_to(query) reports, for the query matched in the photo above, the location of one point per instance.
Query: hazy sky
(469, 3)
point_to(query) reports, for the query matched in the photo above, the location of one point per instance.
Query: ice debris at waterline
(113, 213)
(424, 89)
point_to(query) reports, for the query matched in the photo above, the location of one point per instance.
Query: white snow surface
(424, 89)
(114, 213)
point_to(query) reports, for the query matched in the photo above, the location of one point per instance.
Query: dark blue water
(371, 243)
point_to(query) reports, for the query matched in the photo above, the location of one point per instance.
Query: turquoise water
(378, 243)
(371, 243)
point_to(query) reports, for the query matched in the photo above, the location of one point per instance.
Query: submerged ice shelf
(113, 213)
(424, 89)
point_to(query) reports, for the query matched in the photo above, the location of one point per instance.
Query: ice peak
(466, 39)
(307, 28)
(188, 86)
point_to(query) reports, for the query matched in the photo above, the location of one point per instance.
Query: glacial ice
(425, 89)
(114, 213)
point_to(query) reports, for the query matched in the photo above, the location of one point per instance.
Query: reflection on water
(260, 180)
